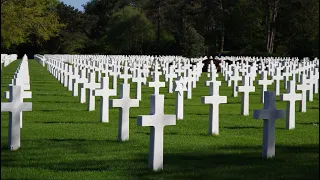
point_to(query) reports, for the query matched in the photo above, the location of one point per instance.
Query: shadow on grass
(226, 162)
(68, 122)
(309, 123)
(59, 110)
(242, 127)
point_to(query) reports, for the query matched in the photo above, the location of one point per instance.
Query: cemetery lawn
(60, 139)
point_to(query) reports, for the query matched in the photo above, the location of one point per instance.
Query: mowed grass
(60, 139)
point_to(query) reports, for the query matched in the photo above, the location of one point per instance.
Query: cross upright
(24, 94)
(170, 76)
(213, 77)
(139, 80)
(179, 69)
(156, 120)
(125, 76)
(303, 87)
(82, 79)
(269, 114)
(188, 78)
(180, 87)
(235, 78)
(124, 103)
(265, 83)
(214, 100)
(156, 84)
(115, 73)
(72, 76)
(277, 77)
(91, 85)
(246, 89)
(286, 76)
(105, 93)
(66, 73)
(15, 106)
(291, 97)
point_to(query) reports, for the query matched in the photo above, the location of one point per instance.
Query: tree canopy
(190, 28)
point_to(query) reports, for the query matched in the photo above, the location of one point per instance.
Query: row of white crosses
(269, 113)
(190, 77)
(6, 59)
(18, 90)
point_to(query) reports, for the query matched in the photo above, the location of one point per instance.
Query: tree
(23, 19)
(128, 31)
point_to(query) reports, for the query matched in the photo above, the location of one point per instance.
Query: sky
(75, 3)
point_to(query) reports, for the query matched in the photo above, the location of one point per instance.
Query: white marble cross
(155, 83)
(125, 76)
(189, 79)
(105, 93)
(24, 94)
(303, 87)
(246, 89)
(15, 106)
(72, 76)
(277, 77)
(81, 79)
(265, 83)
(235, 78)
(214, 100)
(156, 120)
(286, 76)
(269, 114)
(170, 76)
(139, 80)
(291, 97)
(180, 87)
(91, 85)
(124, 103)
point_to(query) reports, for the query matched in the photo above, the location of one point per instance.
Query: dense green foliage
(60, 139)
(190, 28)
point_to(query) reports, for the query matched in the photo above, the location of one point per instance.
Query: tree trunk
(222, 33)
(272, 10)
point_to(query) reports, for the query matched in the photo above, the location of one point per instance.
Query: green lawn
(60, 139)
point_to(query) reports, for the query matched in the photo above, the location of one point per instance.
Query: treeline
(190, 28)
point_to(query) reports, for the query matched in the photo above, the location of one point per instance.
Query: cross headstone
(246, 89)
(105, 93)
(264, 82)
(139, 80)
(124, 103)
(156, 120)
(303, 87)
(155, 83)
(91, 85)
(291, 97)
(81, 79)
(15, 106)
(277, 77)
(180, 87)
(170, 76)
(235, 78)
(269, 114)
(214, 100)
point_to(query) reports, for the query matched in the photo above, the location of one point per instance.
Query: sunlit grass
(60, 139)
